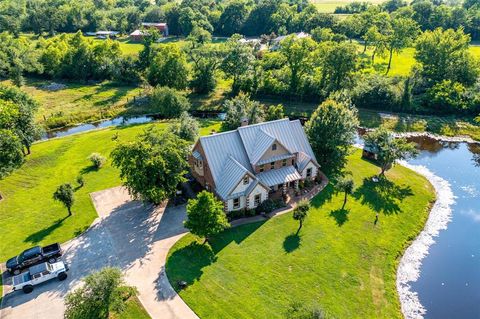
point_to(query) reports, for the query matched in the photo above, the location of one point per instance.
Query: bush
(80, 180)
(447, 97)
(377, 92)
(186, 128)
(269, 206)
(97, 160)
(168, 102)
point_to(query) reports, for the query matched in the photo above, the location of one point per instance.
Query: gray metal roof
(247, 144)
(279, 176)
(275, 158)
(302, 160)
(197, 155)
(234, 172)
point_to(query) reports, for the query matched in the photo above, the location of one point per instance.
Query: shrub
(168, 102)
(186, 128)
(269, 206)
(97, 160)
(80, 180)
(447, 97)
(377, 92)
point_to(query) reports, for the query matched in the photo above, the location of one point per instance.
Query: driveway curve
(129, 235)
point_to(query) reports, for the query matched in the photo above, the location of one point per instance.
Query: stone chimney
(244, 121)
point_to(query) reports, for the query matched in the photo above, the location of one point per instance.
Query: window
(272, 165)
(309, 172)
(236, 203)
(293, 162)
(256, 199)
(284, 162)
(262, 168)
(274, 147)
(245, 180)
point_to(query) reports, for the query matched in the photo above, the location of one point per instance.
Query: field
(343, 261)
(328, 6)
(29, 214)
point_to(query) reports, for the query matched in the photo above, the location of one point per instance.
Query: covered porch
(282, 182)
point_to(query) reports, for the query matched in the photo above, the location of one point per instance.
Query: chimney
(244, 121)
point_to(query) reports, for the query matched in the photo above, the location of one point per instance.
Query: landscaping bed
(343, 261)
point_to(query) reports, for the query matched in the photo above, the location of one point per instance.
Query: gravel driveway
(127, 234)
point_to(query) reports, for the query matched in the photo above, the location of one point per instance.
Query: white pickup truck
(38, 274)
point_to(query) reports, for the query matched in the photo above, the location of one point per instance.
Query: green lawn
(328, 6)
(134, 310)
(341, 260)
(28, 213)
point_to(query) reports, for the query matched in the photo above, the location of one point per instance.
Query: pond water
(449, 282)
(88, 127)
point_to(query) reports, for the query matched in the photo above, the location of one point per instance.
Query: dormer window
(274, 147)
(284, 162)
(245, 180)
(272, 165)
(262, 168)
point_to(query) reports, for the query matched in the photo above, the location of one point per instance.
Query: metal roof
(279, 176)
(230, 154)
(197, 155)
(275, 158)
(302, 160)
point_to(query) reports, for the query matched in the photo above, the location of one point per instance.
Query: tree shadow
(186, 263)
(88, 169)
(324, 196)
(43, 233)
(235, 234)
(382, 196)
(340, 216)
(291, 243)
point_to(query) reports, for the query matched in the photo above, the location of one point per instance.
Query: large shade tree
(205, 216)
(153, 166)
(11, 156)
(331, 132)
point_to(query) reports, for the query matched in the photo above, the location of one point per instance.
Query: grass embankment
(28, 213)
(134, 310)
(341, 260)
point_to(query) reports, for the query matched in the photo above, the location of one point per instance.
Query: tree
(233, 16)
(403, 32)
(337, 62)
(205, 216)
(388, 148)
(346, 185)
(447, 97)
(145, 57)
(275, 112)
(238, 61)
(298, 54)
(104, 292)
(186, 128)
(444, 55)
(21, 109)
(153, 166)
(169, 68)
(97, 160)
(300, 212)
(331, 131)
(168, 102)
(242, 108)
(11, 156)
(65, 195)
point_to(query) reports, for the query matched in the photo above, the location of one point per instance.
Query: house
(246, 166)
(160, 26)
(137, 36)
(275, 43)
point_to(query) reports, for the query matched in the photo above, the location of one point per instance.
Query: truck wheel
(62, 276)
(16, 272)
(52, 260)
(27, 289)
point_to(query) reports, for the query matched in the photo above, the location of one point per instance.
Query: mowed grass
(30, 216)
(328, 6)
(134, 310)
(341, 261)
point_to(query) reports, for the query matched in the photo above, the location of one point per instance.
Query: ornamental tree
(300, 212)
(65, 195)
(153, 165)
(388, 148)
(205, 216)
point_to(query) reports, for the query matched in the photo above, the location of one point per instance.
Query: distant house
(246, 166)
(275, 43)
(137, 36)
(160, 26)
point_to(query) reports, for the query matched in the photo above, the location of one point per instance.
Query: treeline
(247, 17)
(67, 56)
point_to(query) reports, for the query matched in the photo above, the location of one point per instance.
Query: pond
(449, 281)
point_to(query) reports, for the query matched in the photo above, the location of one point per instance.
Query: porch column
(297, 182)
(284, 189)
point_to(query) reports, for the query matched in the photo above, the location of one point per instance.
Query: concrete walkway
(128, 235)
